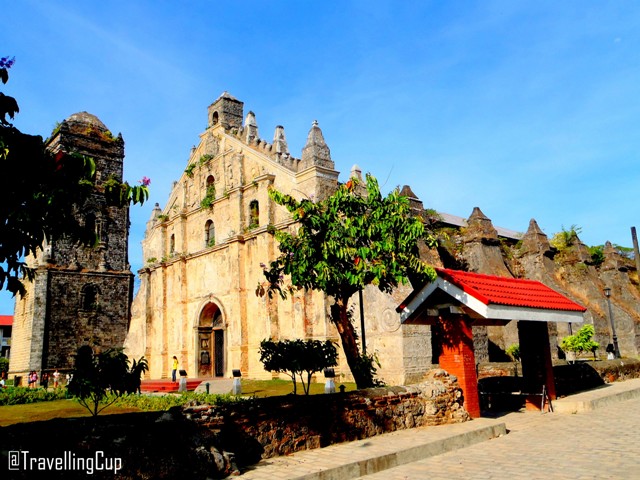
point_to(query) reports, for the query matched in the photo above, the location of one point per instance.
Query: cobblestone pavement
(600, 444)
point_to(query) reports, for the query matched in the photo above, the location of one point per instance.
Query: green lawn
(272, 388)
(33, 412)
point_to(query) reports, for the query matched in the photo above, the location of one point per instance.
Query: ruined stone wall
(276, 426)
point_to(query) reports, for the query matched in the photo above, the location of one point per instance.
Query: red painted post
(457, 357)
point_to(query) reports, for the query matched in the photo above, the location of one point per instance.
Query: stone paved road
(601, 444)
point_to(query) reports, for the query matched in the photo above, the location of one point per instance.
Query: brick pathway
(600, 444)
(602, 441)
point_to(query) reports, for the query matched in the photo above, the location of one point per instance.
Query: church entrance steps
(166, 385)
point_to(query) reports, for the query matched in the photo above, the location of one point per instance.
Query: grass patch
(276, 387)
(35, 412)
(69, 408)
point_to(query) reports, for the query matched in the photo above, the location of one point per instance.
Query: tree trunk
(340, 318)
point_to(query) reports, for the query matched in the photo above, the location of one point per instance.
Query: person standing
(56, 378)
(174, 369)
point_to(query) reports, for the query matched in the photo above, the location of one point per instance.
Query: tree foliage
(297, 358)
(99, 379)
(354, 238)
(581, 341)
(38, 192)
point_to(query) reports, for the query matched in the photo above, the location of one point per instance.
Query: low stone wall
(570, 378)
(268, 427)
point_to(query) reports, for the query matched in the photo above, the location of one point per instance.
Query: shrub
(22, 395)
(296, 357)
(165, 402)
(99, 379)
(581, 341)
(4, 364)
(514, 352)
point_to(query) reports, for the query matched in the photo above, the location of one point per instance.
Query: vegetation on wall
(209, 198)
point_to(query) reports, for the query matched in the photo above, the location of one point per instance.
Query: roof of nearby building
(516, 292)
(490, 297)
(457, 221)
(6, 320)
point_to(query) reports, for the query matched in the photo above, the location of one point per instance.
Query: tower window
(254, 214)
(214, 118)
(209, 234)
(172, 244)
(89, 298)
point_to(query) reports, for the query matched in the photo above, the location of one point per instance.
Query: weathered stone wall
(70, 325)
(27, 336)
(275, 426)
(81, 295)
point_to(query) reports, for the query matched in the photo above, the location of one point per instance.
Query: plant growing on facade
(597, 255)
(581, 341)
(205, 158)
(209, 198)
(189, 170)
(298, 358)
(354, 238)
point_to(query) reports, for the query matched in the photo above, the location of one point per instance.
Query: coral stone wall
(282, 425)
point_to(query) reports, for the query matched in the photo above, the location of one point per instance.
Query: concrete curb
(364, 457)
(599, 397)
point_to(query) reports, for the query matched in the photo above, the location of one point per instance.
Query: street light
(616, 349)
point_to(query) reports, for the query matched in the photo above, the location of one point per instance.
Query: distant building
(6, 322)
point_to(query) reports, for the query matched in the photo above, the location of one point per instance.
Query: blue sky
(525, 109)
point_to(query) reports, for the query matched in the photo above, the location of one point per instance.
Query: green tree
(581, 341)
(354, 238)
(298, 358)
(99, 379)
(38, 192)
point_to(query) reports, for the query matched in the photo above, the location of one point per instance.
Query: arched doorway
(210, 347)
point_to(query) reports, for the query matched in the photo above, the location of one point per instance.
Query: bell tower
(226, 111)
(81, 294)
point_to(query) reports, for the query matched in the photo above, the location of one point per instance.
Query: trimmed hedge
(21, 395)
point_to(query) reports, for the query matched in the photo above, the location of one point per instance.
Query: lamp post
(616, 349)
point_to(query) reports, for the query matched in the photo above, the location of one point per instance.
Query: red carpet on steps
(166, 385)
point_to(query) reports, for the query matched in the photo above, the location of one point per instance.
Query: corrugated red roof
(517, 292)
(6, 320)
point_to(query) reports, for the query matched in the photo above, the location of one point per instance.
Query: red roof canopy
(6, 320)
(517, 292)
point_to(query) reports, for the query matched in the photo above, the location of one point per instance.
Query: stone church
(80, 295)
(205, 248)
(204, 252)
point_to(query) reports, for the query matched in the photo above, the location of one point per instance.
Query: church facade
(206, 248)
